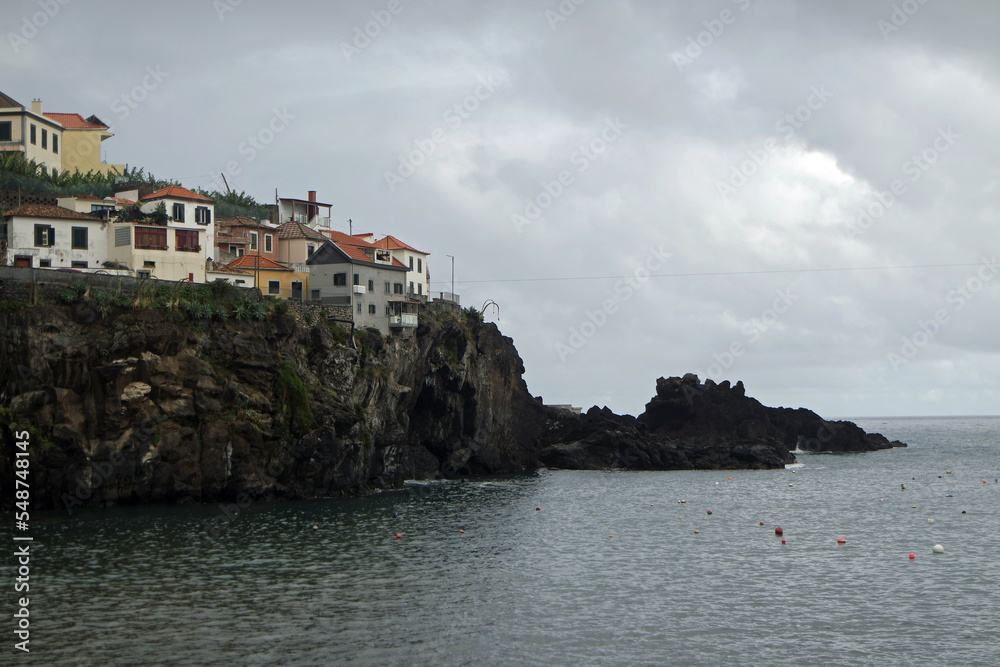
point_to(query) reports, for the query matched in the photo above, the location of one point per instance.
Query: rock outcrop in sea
(151, 405)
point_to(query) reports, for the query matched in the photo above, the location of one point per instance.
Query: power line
(727, 273)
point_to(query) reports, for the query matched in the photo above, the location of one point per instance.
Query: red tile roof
(354, 248)
(44, 211)
(215, 267)
(392, 243)
(74, 121)
(247, 262)
(177, 192)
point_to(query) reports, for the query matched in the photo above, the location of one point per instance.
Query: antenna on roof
(350, 227)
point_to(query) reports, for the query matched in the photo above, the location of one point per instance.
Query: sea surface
(553, 568)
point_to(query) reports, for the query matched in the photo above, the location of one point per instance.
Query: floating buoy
(710, 512)
(963, 511)
(680, 517)
(938, 549)
(782, 541)
(538, 509)
(610, 536)
(948, 495)
(913, 506)
(716, 483)
(984, 481)
(903, 487)
(778, 531)
(394, 515)
(461, 530)
(682, 502)
(729, 478)
(930, 521)
(696, 531)
(791, 485)
(315, 527)
(399, 536)
(913, 556)
(762, 523)
(841, 540)
(947, 472)
(881, 500)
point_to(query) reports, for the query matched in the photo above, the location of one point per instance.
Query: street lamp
(452, 277)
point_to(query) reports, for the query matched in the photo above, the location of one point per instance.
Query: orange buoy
(913, 556)
(841, 540)
(729, 478)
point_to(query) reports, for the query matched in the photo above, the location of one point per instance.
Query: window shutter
(52, 236)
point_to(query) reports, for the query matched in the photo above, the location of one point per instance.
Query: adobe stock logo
(38, 20)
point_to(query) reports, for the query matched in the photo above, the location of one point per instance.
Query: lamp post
(452, 277)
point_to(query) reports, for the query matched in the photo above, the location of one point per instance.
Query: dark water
(135, 586)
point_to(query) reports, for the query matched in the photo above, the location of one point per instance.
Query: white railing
(359, 289)
(404, 320)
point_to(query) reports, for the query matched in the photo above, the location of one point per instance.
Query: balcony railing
(359, 289)
(404, 321)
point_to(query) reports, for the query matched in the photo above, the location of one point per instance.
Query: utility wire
(725, 273)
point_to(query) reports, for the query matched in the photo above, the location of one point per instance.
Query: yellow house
(57, 141)
(274, 278)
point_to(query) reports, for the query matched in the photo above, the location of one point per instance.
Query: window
(79, 238)
(55, 142)
(240, 251)
(33, 131)
(359, 306)
(388, 288)
(94, 208)
(178, 212)
(420, 264)
(153, 238)
(6, 133)
(411, 262)
(310, 249)
(123, 236)
(383, 256)
(388, 311)
(253, 240)
(149, 265)
(186, 240)
(273, 287)
(268, 243)
(420, 289)
(315, 295)
(78, 265)
(202, 215)
(397, 288)
(3, 230)
(45, 263)
(371, 285)
(357, 279)
(45, 138)
(240, 282)
(143, 274)
(45, 236)
(411, 287)
(371, 308)
(339, 279)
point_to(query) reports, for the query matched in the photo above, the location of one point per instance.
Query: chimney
(36, 106)
(311, 209)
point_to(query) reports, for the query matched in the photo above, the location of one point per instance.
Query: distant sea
(553, 568)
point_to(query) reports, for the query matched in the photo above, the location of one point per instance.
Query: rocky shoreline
(149, 405)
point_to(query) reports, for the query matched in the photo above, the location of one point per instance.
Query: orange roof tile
(45, 211)
(177, 192)
(296, 230)
(247, 262)
(392, 243)
(74, 121)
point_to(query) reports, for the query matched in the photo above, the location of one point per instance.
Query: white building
(39, 236)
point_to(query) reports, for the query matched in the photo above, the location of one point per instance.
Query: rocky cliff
(189, 404)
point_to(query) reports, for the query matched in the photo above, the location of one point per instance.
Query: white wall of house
(171, 263)
(231, 278)
(61, 254)
(21, 124)
(418, 275)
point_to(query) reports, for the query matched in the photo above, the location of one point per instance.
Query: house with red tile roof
(41, 236)
(297, 242)
(274, 278)
(58, 141)
(309, 212)
(418, 275)
(349, 271)
(235, 237)
(176, 246)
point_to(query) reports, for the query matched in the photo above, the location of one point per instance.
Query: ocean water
(609, 570)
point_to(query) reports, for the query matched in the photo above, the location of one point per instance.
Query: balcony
(404, 321)
(359, 289)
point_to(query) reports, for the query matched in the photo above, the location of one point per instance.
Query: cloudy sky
(800, 195)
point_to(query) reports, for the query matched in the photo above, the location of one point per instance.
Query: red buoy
(841, 540)
(399, 536)
(762, 523)
(778, 531)
(538, 509)
(913, 556)
(782, 541)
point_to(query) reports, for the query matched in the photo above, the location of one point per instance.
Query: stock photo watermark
(758, 157)
(223, 7)
(714, 28)
(752, 330)
(957, 299)
(364, 35)
(562, 12)
(914, 167)
(454, 116)
(254, 145)
(899, 17)
(124, 106)
(31, 25)
(621, 293)
(585, 155)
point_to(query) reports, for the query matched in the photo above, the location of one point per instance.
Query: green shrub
(292, 396)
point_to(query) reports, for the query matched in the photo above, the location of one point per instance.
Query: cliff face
(145, 406)
(150, 405)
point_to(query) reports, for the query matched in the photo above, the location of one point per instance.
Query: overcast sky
(728, 148)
